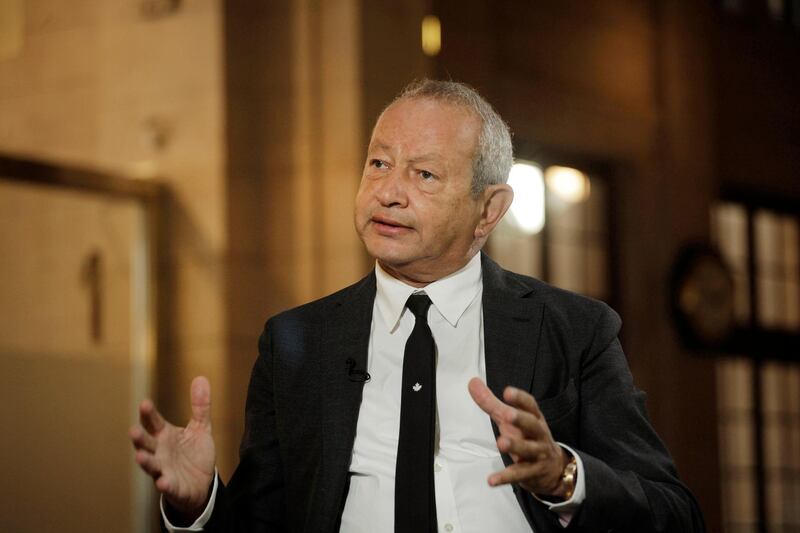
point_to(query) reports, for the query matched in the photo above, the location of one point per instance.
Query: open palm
(180, 460)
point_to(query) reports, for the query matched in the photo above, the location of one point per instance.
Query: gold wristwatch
(569, 477)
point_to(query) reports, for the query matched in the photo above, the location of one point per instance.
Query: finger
(150, 418)
(201, 400)
(148, 462)
(515, 473)
(164, 484)
(529, 426)
(489, 403)
(141, 439)
(522, 449)
(522, 400)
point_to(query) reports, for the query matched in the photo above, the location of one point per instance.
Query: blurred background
(173, 172)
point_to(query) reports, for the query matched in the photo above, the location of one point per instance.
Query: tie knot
(419, 304)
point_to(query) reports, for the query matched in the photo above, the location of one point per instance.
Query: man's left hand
(538, 460)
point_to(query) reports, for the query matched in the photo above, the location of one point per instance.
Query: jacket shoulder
(316, 310)
(571, 304)
(566, 311)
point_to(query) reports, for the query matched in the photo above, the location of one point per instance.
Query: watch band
(568, 477)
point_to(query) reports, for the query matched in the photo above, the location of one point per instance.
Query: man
(367, 410)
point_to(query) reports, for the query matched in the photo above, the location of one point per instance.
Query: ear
(496, 201)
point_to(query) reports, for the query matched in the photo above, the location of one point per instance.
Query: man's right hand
(180, 460)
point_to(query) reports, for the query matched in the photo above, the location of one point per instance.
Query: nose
(391, 189)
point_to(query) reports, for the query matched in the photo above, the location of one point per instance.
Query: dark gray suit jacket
(302, 409)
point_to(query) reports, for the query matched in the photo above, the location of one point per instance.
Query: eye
(427, 176)
(377, 163)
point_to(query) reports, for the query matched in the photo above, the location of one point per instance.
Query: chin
(387, 254)
(389, 257)
(382, 248)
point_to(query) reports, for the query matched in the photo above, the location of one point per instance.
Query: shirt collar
(451, 295)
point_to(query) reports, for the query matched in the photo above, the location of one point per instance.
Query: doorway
(77, 347)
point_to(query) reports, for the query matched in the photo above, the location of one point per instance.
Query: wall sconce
(431, 35)
(569, 184)
(527, 209)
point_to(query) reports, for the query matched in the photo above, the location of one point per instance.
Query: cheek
(440, 224)
(461, 220)
(361, 204)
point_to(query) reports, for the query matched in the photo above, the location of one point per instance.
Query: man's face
(414, 208)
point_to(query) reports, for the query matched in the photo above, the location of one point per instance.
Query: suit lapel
(511, 326)
(346, 336)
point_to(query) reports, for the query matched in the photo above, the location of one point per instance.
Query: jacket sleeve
(631, 481)
(254, 500)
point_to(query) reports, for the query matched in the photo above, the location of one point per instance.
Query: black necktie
(414, 498)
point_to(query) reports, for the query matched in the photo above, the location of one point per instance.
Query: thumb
(487, 401)
(483, 396)
(201, 401)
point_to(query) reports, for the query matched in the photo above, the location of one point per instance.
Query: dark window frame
(758, 343)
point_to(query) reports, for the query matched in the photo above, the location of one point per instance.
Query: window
(759, 390)
(557, 229)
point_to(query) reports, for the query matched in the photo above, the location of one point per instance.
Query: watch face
(703, 298)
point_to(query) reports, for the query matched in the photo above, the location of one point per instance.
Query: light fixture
(569, 184)
(431, 35)
(527, 209)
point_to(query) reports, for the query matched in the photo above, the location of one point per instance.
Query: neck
(421, 278)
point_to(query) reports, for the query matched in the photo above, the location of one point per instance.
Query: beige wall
(98, 84)
(68, 366)
(294, 156)
(250, 113)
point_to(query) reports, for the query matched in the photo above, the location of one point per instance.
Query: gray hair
(494, 155)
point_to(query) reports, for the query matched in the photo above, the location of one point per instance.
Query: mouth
(388, 226)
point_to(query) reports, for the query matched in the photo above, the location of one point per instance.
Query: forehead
(422, 125)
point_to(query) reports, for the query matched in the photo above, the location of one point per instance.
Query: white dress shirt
(467, 449)
(466, 453)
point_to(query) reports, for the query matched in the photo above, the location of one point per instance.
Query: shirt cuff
(202, 520)
(567, 509)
